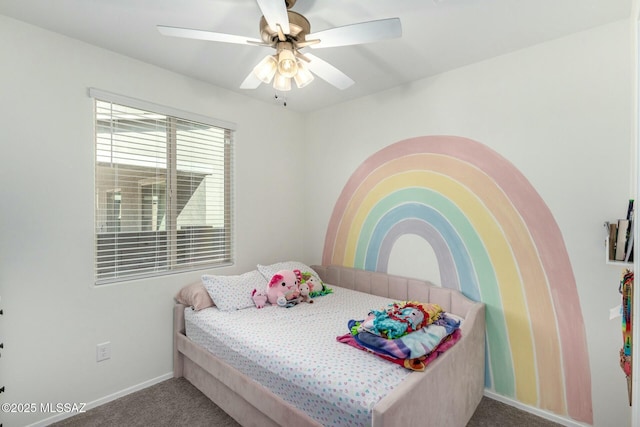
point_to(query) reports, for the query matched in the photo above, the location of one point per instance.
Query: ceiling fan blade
(275, 13)
(360, 33)
(251, 82)
(188, 33)
(328, 72)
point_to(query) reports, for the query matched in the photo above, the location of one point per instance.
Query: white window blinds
(163, 188)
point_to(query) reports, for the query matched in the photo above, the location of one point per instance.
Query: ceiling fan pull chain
(284, 99)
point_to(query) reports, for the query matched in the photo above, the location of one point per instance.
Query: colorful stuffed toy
(283, 284)
(315, 285)
(259, 297)
(304, 293)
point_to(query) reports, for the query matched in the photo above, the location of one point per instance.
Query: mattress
(294, 352)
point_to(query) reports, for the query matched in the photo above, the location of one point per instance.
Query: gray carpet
(176, 402)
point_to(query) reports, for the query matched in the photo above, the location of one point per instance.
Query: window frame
(173, 265)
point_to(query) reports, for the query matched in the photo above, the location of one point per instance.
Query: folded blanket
(410, 346)
(400, 318)
(418, 364)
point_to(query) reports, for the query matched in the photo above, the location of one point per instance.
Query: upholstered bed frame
(445, 394)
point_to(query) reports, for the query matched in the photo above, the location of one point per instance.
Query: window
(163, 187)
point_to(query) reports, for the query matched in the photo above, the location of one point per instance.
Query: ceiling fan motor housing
(299, 27)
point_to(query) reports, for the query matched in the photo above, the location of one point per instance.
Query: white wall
(53, 315)
(560, 112)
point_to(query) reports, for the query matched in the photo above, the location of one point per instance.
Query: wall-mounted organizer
(612, 261)
(619, 238)
(619, 243)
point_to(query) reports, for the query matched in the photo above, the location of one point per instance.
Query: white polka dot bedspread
(294, 352)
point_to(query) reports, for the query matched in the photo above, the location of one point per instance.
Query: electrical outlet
(103, 351)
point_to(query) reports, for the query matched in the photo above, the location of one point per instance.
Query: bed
(446, 393)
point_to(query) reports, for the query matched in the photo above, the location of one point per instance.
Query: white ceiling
(438, 35)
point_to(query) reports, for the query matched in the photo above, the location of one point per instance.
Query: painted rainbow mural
(495, 240)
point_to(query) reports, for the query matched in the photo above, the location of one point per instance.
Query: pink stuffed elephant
(283, 284)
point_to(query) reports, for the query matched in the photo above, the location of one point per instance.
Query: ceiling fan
(289, 32)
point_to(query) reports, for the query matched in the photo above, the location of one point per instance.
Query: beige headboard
(396, 287)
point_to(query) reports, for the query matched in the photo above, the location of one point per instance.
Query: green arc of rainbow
(504, 245)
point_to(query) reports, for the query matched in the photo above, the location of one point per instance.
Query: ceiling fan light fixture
(303, 77)
(266, 69)
(282, 83)
(287, 63)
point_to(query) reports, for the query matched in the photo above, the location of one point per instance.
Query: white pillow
(233, 292)
(269, 270)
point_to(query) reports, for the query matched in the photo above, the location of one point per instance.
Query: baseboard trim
(532, 410)
(105, 399)
(488, 393)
